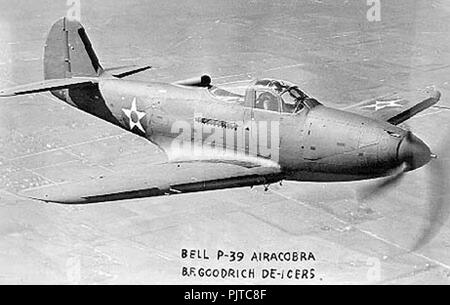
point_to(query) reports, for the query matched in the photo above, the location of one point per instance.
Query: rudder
(68, 52)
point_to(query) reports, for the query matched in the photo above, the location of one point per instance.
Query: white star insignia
(135, 120)
(385, 104)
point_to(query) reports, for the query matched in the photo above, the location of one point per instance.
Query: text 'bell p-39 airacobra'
(217, 139)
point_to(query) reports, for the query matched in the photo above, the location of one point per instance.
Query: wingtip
(5, 93)
(433, 92)
(437, 95)
(46, 195)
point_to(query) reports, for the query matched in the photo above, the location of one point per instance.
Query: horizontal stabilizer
(48, 85)
(124, 71)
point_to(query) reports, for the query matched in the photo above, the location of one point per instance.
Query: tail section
(69, 52)
(71, 68)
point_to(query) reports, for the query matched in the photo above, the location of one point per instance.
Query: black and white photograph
(202, 143)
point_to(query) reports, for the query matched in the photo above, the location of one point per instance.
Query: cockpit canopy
(278, 96)
(269, 95)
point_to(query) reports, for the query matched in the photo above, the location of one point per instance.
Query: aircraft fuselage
(321, 144)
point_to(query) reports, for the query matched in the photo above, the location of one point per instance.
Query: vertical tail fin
(69, 52)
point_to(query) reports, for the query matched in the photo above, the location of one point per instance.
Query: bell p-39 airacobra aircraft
(218, 139)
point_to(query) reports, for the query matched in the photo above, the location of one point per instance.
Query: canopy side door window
(265, 115)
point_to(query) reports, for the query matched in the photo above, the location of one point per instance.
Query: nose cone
(414, 152)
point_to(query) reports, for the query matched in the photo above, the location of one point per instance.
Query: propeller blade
(377, 188)
(439, 209)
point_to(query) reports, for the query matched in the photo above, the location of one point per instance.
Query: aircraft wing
(159, 180)
(395, 108)
(48, 85)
